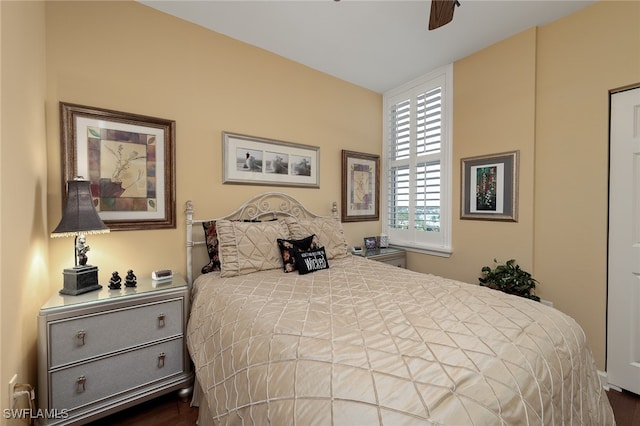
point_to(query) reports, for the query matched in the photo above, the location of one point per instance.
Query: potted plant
(509, 278)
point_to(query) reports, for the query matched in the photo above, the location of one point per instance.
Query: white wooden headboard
(266, 205)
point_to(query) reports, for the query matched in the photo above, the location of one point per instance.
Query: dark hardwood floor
(170, 410)
(166, 410)
(626, 407)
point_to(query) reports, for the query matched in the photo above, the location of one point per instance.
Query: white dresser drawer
(100, 352)
(101, 333)
(85, 383)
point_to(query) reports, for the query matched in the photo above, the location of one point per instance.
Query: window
(416, 188)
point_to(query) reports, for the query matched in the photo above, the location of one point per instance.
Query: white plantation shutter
(401, 130)
(428, 121)
(427, 197)
(417, 164)
(399, 193)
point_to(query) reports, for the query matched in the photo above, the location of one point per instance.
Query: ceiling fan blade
(441, 12)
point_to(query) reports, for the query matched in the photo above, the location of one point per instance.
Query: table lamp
(78, 219)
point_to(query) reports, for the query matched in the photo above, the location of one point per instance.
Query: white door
(623, 310)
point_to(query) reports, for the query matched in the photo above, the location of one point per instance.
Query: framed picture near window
(370, 243)
(490, 187)
(129, 161)
(360, 186)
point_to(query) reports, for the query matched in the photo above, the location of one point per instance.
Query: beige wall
(138, 60)
(24, 275)
(545, 92)
(579, 60)
(494, 105)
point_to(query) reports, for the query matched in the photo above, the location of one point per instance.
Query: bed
(362, 342)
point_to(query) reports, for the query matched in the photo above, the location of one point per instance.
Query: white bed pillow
(329, 231)
(247, 247)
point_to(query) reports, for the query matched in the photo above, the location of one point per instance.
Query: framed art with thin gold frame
(129, 161)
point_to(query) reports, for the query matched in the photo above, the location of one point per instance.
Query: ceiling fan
(441, 12)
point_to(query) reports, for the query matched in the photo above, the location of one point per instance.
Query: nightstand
(103, 351)
(392, 256)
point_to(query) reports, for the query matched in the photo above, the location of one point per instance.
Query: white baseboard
(604, 381)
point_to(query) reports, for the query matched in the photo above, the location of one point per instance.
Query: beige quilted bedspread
(365, 343)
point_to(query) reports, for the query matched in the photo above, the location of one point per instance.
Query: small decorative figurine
(114, 282)
(130, 280)
(81, 250)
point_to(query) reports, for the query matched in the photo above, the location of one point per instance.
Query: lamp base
(80, 279)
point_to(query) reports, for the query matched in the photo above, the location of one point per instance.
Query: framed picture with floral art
(360, 186)
(129, 160)
(490, 187)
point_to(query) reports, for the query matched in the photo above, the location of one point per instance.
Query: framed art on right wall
(490, 187)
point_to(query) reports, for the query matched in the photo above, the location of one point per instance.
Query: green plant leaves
(509, 278)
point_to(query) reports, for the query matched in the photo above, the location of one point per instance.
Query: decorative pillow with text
(311, 260)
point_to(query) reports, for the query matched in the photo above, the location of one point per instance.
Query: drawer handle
(80, 384)
(161, 358)
(80, 337)
(161, 320)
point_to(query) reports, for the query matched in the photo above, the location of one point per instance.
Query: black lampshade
(80, 216)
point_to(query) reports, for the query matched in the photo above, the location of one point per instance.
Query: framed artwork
(129, 160)
(260, 161)
(370, 243)
(490, 187)
(360, 186)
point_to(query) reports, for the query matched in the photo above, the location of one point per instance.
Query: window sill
(431, 251)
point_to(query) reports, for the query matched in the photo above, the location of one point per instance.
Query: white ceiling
(376, 44)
